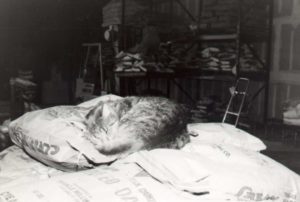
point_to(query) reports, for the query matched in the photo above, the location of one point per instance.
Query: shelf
(252, 38)
(216, 37)
(254, 75)
(244, 36)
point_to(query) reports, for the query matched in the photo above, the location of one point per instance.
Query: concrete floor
(283, 143)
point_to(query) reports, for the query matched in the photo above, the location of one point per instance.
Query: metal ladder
(237, 99)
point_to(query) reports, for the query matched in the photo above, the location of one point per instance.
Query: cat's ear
(109, 115)
(94, 113)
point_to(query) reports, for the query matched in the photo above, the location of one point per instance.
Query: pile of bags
(218, 59)
(248, 62)
(171, 56)
(208, 110)
(221, 163)
(128, 62)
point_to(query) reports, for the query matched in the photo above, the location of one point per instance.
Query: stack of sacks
(248, 62)
(218, 59)
(24, 95)
(170, 55)
(206, 110)
(221, 163)
(291, 114)
(186, 55)
(127, 62)
(24, 88)
(201, 113)
(224, 59)
(179, 54)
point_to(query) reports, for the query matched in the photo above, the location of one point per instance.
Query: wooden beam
(186, 10)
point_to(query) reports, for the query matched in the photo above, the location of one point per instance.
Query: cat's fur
(130, 124)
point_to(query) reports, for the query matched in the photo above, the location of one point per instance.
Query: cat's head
(102, 119)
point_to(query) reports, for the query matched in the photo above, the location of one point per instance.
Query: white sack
(226, 172)
(222, 173)
(223, 133)
(55, 136)
(289, 121)
(121, 183)
(16, 168)
(293, 113)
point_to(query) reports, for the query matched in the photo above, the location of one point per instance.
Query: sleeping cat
(130, 124)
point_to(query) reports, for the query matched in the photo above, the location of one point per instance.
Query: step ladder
(88, 56)
(85, 89)
(237, 99)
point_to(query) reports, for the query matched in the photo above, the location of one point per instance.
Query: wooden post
(123, 37)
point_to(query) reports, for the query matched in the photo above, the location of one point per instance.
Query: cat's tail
(181, 139)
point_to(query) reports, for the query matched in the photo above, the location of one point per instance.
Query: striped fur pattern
(134, 123)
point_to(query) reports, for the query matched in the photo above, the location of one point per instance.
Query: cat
(123, 126)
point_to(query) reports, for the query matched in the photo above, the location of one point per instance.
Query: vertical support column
(238, 39)
(268, 59)
(171, 14)
(102, 88)
(123, 7)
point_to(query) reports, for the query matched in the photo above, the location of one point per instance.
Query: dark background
(36, 35)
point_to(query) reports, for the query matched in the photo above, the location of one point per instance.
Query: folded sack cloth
(224, 134)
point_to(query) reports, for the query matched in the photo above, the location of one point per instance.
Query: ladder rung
(232, 113)
(239, 93)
